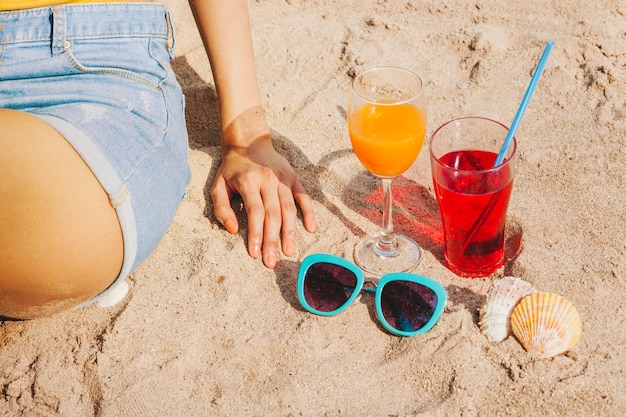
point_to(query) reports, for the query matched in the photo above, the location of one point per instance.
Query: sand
(209, 331)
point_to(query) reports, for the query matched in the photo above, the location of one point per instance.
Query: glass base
(475, 270)
(406, 256)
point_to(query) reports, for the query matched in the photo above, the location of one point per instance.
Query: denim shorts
(100, 74)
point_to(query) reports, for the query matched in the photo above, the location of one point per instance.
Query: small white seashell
(546, 324)
(495, 315)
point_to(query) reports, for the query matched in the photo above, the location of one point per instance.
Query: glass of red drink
(473, 195)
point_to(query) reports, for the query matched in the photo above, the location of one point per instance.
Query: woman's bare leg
(60, 239)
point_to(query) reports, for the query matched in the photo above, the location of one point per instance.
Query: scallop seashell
(546, 324)
(494, 319)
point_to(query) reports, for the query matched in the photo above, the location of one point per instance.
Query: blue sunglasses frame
(432, 285)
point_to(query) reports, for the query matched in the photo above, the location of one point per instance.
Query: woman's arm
(250, 165)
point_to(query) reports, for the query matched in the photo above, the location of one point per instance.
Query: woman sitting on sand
(93, 158)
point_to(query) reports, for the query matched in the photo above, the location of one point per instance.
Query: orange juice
(387, 138)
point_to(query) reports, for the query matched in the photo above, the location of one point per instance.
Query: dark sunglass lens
(327, 287)
(407, 306)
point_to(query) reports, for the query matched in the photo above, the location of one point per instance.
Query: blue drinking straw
(505, 146)
(522, 107)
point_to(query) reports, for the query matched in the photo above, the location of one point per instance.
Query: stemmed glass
(387, 124)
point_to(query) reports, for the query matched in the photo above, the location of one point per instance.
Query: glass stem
(387, 244)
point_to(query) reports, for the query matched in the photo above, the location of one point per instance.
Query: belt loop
(58, 30)
(172, 33)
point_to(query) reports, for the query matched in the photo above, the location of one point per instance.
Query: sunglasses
(406, 304)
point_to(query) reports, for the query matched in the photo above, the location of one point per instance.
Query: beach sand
(208, 331)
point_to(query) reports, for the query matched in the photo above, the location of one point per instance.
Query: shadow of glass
(415, 212)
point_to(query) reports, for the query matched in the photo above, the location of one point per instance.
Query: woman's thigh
(60, 239)
(97, 79)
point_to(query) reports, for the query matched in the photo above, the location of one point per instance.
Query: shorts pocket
(126, 73)
(129, 58)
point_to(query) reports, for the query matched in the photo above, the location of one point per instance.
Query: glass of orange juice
(387, 124)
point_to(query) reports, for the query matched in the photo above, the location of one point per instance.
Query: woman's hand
(267, 184)
(250, 165)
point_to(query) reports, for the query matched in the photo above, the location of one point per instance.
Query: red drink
(473, 199)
